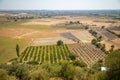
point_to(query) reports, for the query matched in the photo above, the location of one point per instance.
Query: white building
(103, 69)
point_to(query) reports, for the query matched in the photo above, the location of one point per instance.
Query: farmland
(59, 40)
(110, 36)
(7, 48)
(43, 31)
(87, 53)
(49, 54)
(29, 41)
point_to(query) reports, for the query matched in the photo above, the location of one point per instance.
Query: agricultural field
(115, 30)
(83, 36)
(109, 43)
(87, 53)
(50, 41)
(7, 48)
(45, 31)
(49, 54)
(107, 35)
(110, 36)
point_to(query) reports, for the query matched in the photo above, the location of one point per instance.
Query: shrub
(59, 42)
(67, 71)
(72, 56)
(79, 63)
(20, 71)
(86, 27)
(112, 62)
(78, 22)
(102, 27)
(40, 75)
(94, 41)
(33, 62)
(98, 76)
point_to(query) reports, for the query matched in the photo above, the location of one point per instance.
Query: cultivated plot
(87, 53)
(83, 36)
(50, 41)
(49, 54)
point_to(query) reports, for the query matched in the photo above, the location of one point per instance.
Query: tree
(40, 75)
(112, 62)
(112, 47)
(20, 71)
(59, 42)
(67, 72)
(78, 22)
(102, 27)
(72, 57)
(98, 76)
(94, 41)
(99, 38)
(86, 27)
(98, 45)
(103, 48)
(17, 50)
(71, 22)
(79, 63)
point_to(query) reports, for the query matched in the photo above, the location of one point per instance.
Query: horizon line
(54, 9)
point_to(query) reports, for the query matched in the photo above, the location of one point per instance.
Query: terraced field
(40, 54)
(87, 53)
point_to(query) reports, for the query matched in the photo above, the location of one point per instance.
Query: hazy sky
(59, 4)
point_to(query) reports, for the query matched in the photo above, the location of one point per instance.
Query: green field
(49, 54)
(7, 48)
(9, 24)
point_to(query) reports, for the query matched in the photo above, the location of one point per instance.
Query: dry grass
(83, 35)
(114, 42)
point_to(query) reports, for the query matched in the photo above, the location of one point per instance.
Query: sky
(59, 4)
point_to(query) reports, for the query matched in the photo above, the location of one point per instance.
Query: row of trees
(74, 22)
(20, 18)
(96, 41)
(94, 33)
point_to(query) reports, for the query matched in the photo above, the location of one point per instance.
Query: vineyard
(40, 54)
(87, 52)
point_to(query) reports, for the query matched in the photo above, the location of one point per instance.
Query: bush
(94, 41)
(79, 63)
(97, 66)
(72, 56)
(59, 42)
(102, 27)
(33, 62)
(67, 71)
(98, 76)
(20, 71)
(99, 38)
(78, 22)
(86, 27)
(112, 62)
(40, 75)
